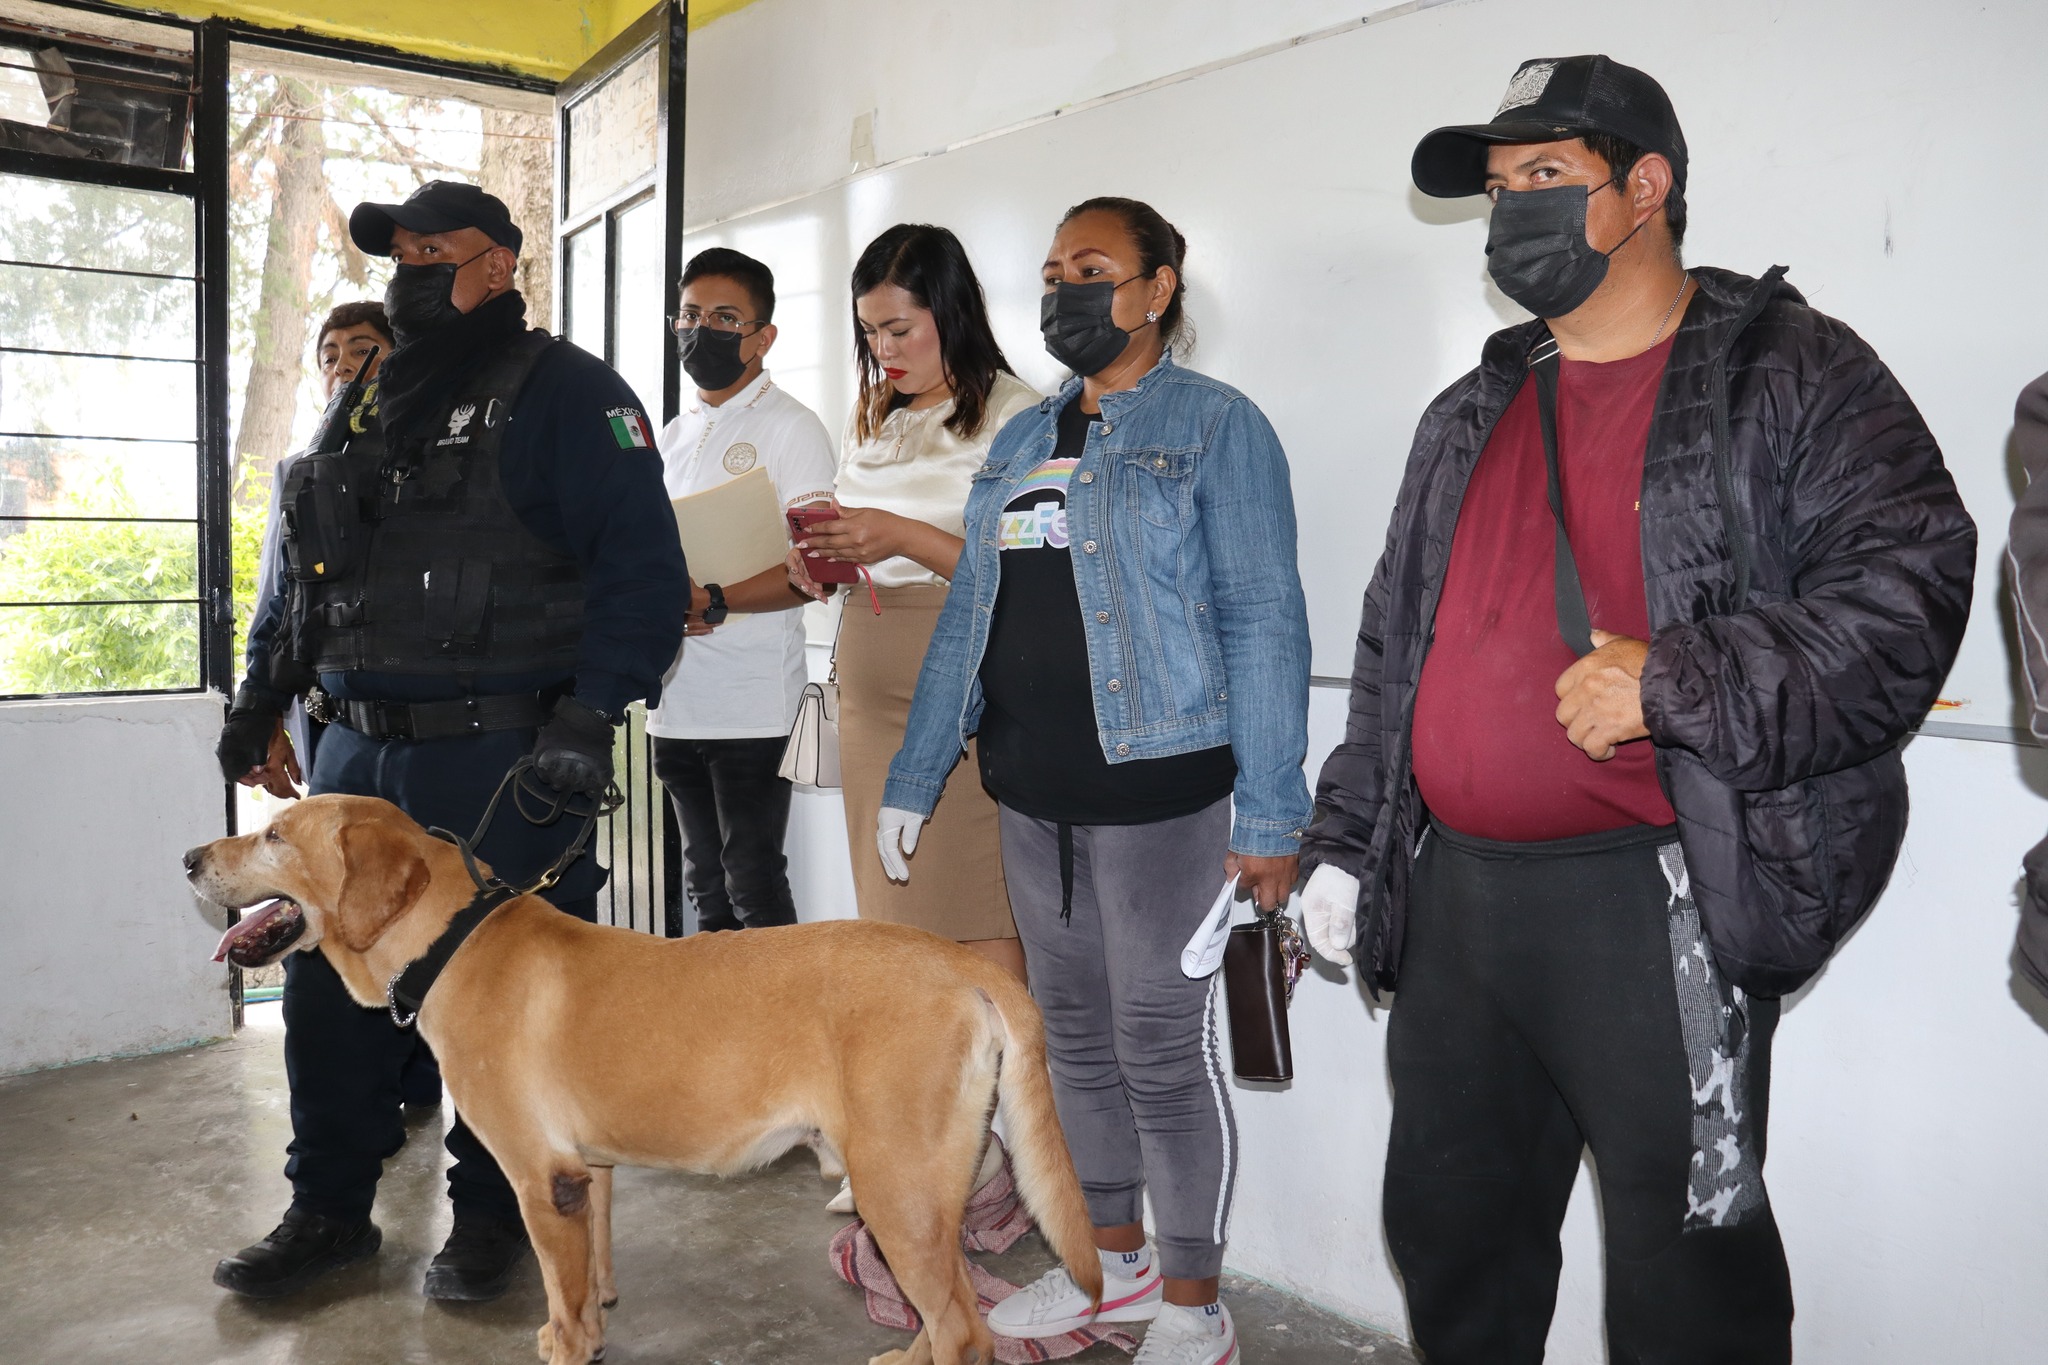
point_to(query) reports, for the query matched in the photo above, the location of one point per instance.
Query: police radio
(325, 521)
(322, 513)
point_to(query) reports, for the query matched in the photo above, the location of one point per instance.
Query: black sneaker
(297, 1252)
(476, 1263)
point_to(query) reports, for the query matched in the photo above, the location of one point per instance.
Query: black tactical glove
(574, 751)
(245, 738)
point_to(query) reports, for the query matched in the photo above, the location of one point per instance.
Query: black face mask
(1078, 330)
(421, 298)
(1537, 252)
(711, 358)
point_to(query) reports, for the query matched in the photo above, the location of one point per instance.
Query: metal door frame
(644, 834)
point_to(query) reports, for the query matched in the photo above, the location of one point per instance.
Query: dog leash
(525, 784)
(407, 990)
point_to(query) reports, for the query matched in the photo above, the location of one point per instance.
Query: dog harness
(407, 990)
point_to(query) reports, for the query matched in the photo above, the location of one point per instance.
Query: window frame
(206, 186)
(654, 837)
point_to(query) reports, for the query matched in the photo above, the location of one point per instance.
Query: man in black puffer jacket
(2027, 556)
(1682, 507)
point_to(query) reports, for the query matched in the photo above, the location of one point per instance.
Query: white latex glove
(1329, 912)
(896, 839)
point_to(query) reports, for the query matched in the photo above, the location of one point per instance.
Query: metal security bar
(639, 841)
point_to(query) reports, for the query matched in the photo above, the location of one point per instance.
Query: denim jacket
(1181, 526)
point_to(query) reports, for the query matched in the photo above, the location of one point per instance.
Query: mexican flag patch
(629, 429)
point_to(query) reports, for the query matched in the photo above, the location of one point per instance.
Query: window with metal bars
(102, 370)
(118, 156)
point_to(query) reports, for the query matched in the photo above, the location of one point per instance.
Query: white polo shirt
(743, 680)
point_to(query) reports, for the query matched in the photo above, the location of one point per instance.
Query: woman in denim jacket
(1126, 634)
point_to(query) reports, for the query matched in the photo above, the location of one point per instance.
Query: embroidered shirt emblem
(740, 457)
(458, 422)
(629, 428)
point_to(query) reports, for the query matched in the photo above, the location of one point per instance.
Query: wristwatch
(714, 615)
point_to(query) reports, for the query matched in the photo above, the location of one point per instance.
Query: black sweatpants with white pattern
(1553, 998)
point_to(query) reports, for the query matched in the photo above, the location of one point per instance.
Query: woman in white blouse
(934, 390)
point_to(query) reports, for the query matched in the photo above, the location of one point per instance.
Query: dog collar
(407, 989)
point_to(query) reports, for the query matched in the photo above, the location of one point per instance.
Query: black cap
(1550, 99)
(437, 206)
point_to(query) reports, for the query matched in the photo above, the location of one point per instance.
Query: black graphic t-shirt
(1041, 754)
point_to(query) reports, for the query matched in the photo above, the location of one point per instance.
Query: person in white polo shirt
(730, 699)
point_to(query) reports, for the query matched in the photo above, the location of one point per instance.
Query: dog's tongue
(261, 934)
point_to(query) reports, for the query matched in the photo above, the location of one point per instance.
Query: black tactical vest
(421, 565)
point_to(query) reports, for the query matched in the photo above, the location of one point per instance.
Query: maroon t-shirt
(1490, 758)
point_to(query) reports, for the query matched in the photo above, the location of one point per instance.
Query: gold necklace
(913, 420)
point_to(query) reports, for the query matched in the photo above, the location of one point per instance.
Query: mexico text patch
(629, 429)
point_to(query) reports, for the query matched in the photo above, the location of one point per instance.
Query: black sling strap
(1574, 623)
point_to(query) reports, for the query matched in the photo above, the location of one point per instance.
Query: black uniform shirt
(580, 480)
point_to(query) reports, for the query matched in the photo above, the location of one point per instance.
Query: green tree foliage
(85, 647)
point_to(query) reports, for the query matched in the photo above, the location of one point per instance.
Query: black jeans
(345, 1062)
(1550, 1001)
(734, 809)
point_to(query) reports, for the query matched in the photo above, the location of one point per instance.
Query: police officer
(489, 571)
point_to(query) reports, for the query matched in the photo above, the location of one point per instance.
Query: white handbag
(811, 758)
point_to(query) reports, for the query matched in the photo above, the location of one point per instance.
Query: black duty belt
(438, 719)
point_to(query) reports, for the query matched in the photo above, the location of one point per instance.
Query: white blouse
(915, 467)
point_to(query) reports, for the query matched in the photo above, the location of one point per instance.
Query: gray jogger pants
(1137, 1070)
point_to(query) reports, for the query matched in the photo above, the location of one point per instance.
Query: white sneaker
(1178, 1336)
(1053, 1304)
(842, 1202)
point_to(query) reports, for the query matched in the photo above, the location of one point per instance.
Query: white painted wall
(1867, 144)
(775, 88)
(102, 951)
(1870, 144)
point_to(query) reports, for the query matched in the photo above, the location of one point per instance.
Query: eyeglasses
(718, 320)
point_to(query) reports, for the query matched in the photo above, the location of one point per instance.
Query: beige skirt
(956, 885)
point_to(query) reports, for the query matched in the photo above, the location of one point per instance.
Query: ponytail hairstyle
(930, 265)
(1159, 243)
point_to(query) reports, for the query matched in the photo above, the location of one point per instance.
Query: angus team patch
(629, 429)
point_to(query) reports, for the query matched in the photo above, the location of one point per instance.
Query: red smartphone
(801, 519)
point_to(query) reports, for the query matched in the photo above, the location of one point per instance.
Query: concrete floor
(122, 1183)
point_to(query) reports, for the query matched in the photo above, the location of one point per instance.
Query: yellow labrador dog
(571, 1048)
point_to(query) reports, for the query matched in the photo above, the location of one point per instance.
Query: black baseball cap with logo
(1550, 99)
(437, 206)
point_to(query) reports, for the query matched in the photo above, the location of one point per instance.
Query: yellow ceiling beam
(703, 12)
(548, 38)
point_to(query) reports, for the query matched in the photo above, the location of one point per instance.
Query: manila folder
(732, 531)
